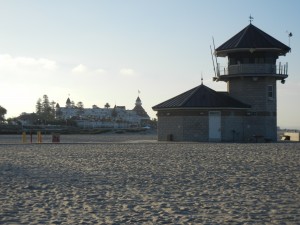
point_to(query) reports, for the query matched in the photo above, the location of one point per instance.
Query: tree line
(3, 111)
(45, 109)
(45, 113)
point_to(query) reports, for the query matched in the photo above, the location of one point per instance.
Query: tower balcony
(279, 71)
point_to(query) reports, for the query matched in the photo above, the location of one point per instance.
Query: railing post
(279, 68)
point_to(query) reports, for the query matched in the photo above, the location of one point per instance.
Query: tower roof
(139, 108)
(252, 38)
(68, 101)
(140, 111)
(138, 101)
(201, 97)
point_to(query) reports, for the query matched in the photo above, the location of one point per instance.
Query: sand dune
(150, 183)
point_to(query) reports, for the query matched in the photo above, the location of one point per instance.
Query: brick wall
(170, 125)
(195, 126)
(254, 91)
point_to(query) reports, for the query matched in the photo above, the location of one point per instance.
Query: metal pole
(218, 72)
(212, 58)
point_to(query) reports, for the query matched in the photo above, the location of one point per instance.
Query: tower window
(270, 92)
(259, 60)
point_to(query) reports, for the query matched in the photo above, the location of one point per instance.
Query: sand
(86, 138)
(150, 183)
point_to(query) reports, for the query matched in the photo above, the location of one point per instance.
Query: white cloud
(101, 71)
(48, 64)
(127, 72)
(79, 69)
(9, 62)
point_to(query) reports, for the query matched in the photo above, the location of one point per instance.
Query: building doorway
(214, 126)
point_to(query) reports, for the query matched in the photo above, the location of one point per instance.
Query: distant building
(140, 111)
(95, 117)
(247, 111)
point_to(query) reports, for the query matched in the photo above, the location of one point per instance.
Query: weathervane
(201, 78)
(290, 35)
(251, 19)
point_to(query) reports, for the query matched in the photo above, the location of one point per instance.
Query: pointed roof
(252, 37)
(138, 101)
(140, 111)
(201, 97)
(68, 101)
(138, 108)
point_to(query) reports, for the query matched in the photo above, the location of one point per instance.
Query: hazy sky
(105, 51)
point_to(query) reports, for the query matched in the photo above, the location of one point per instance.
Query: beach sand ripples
(150, 183)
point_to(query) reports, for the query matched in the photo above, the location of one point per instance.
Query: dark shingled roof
(68, 101)
(201, 97)
(252, 38)
(141, 111)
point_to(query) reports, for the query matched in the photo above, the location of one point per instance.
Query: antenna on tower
(290, 35)
(212, 58)
(217, 65)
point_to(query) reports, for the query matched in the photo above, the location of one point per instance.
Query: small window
(270, 92)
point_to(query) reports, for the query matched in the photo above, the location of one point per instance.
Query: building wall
(183, 128)
(254, 92)
(170, 125)
(195, 128)
(194, 125)
(232, 128)
(264, 126)
(262, 119)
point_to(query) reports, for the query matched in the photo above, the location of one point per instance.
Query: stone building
(247, 111)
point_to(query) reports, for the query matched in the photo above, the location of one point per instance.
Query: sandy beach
(140, 182)
(84, 138)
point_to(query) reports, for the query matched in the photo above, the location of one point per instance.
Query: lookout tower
(251, 75)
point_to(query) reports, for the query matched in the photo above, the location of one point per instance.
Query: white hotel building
(95, 117)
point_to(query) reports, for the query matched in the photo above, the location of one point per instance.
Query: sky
(99, 51)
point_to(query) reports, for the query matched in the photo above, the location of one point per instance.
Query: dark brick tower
(251, 76)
